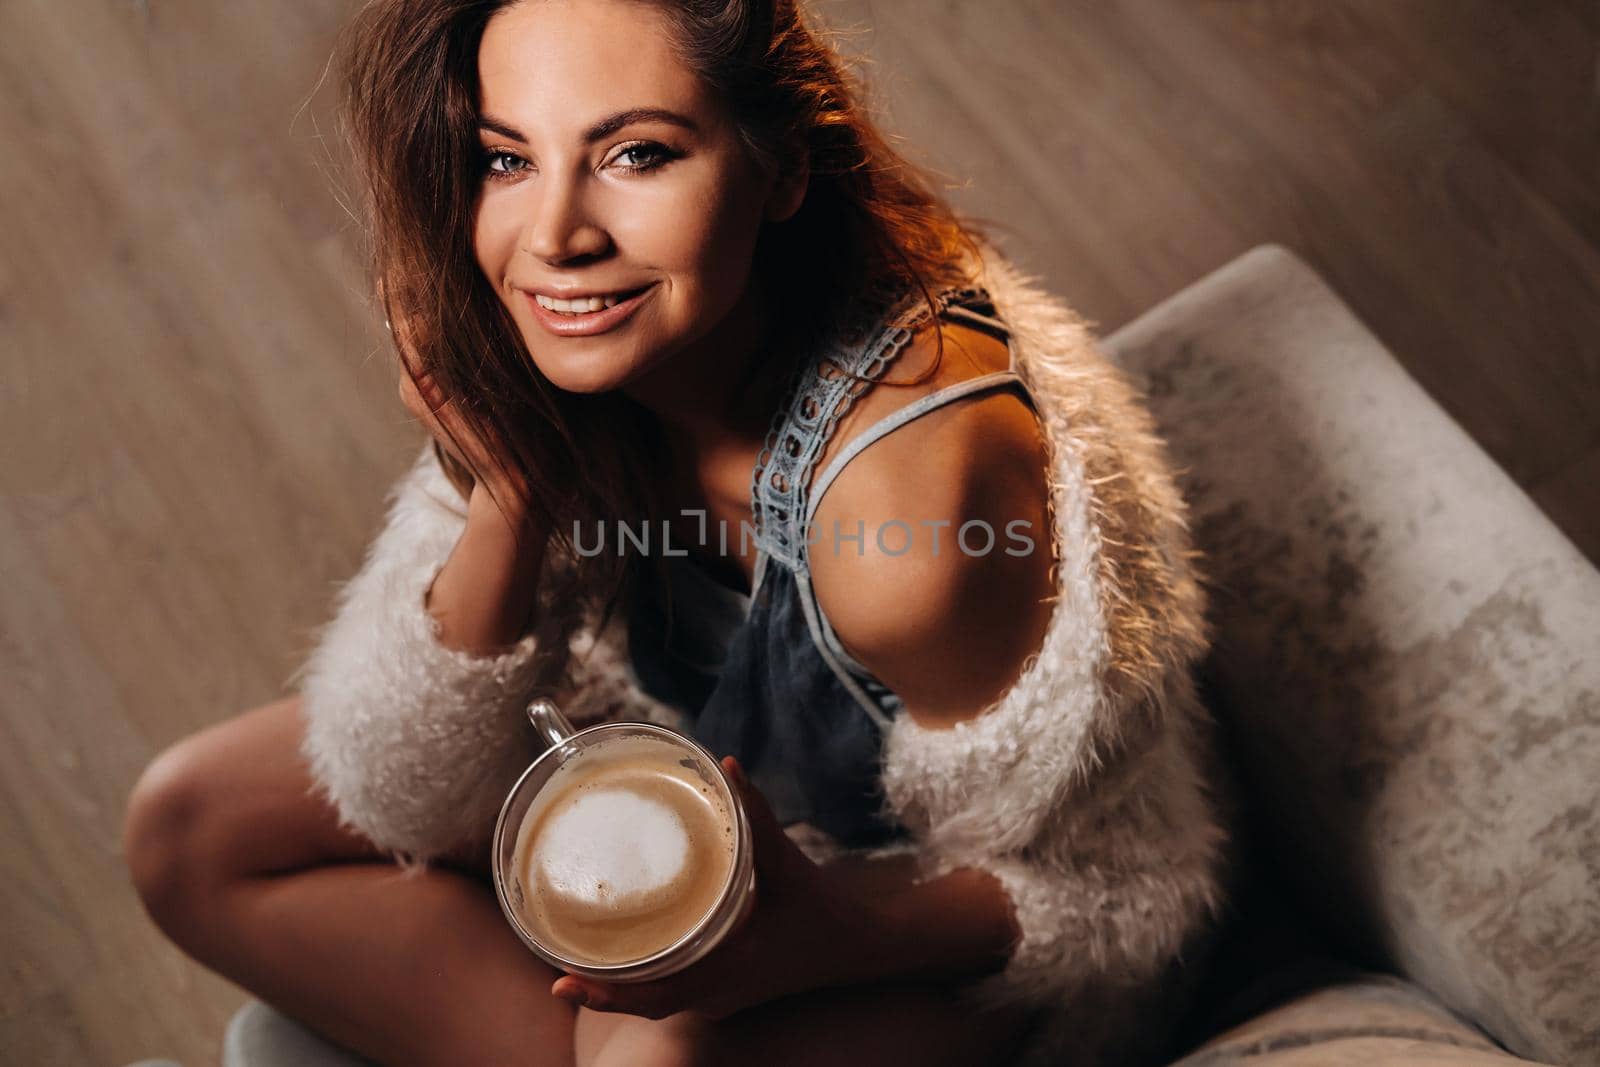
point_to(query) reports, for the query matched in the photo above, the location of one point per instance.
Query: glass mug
(733, 901)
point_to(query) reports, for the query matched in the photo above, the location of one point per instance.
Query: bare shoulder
(949, 587)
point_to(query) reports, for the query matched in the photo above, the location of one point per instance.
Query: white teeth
(581, 306)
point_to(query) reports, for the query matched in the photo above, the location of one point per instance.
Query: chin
(583, 383)
(585, 375)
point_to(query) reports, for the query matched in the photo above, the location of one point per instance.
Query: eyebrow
(604, 128)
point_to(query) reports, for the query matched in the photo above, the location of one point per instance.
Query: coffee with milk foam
(624, 851)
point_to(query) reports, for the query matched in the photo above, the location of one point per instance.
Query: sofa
(1407, 682)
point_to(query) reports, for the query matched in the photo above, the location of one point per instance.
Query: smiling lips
(585, 323)
(587, 302)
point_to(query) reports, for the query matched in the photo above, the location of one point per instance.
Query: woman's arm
(1050, 745)
(954, 927)
(483, 597)
(414, 742)
(1110, 888)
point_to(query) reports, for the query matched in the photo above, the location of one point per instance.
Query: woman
(649, 262)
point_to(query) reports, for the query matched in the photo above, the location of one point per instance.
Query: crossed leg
(855, 1027)
(247, 870)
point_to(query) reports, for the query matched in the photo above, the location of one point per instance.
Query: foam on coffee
(625, 849)
(613, 851)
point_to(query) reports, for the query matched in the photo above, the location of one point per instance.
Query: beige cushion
(1406, 655)
(1373, 1019)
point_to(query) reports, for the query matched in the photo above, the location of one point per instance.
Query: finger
(439, 419)
(442, 416)
(650, 1000)
(755, 803)
(412, 400)
(400, 333)
(429, 420)
(421, 399)
(771, 844)
(570, 989)
(425, 387)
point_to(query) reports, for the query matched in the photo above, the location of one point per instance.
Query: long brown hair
(870, 226)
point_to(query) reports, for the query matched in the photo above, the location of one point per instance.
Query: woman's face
(572, 201)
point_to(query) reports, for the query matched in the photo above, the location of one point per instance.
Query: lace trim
(820, 393)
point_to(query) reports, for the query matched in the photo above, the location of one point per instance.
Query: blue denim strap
(821, 393)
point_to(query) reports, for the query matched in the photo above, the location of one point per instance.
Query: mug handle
(549, 722)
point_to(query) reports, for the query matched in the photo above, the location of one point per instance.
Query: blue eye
(500, 165)
(659, 155)
(493, 156)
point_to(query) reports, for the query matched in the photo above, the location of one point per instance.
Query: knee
(162, 831)
(682, 1040)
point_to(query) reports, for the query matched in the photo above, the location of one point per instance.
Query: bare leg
(916, 1023)
(865, 1025)
(921, 1023)
(247, 871)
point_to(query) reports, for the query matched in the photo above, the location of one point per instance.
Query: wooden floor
(199, 421)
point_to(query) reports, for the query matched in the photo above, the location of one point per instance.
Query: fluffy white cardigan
(1087, 789)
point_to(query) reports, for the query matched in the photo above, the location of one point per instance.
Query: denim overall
(764, 677)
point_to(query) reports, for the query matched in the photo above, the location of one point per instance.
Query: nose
(561, 227)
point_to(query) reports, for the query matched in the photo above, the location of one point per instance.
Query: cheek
(694, 222)
(494, 240)
(666, 230)
(714, 236)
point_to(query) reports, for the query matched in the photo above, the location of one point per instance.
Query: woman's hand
(798, 936)
(440, 416)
